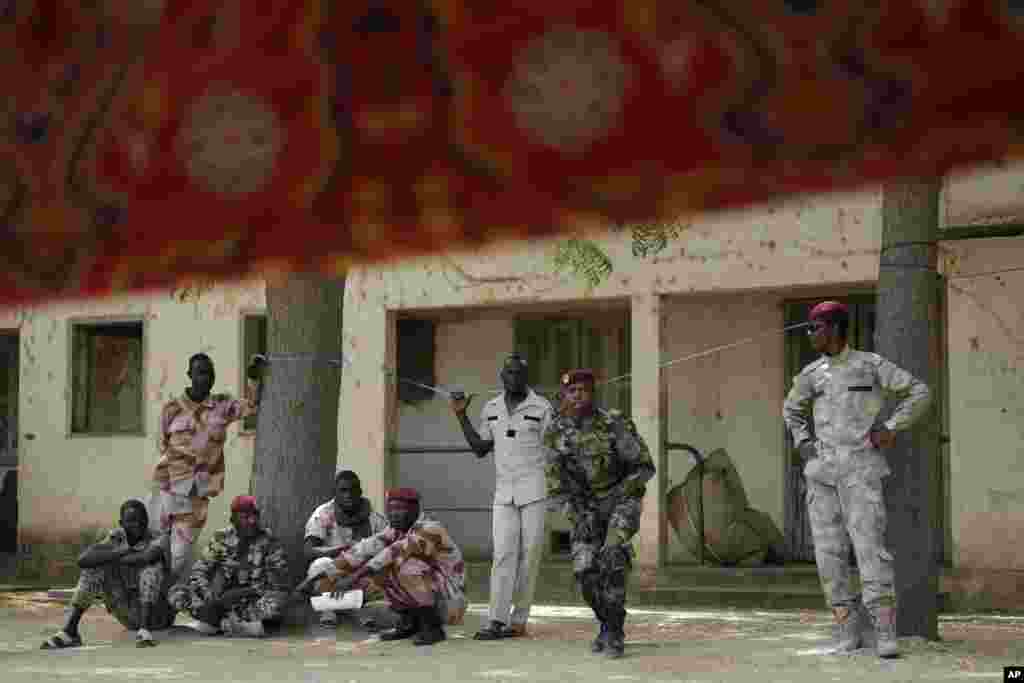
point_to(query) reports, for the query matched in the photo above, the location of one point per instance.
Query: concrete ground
(662, 645)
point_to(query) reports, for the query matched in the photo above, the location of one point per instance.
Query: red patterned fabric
(144, 143)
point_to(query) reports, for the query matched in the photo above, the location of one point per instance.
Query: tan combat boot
(848, 620)
(886, 644)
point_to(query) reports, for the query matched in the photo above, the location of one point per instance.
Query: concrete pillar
(648, 400)
(367, 418)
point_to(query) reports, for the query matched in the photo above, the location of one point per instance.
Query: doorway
(8, 442)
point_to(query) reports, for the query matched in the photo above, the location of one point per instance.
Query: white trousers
(518, 546)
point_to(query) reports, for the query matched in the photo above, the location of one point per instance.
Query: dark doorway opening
(8, 442)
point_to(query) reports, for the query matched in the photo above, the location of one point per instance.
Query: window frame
(76, 322)
(243, 315)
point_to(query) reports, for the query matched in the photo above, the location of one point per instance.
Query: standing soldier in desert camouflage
(598, 466)
(190, 471)
(844, 390)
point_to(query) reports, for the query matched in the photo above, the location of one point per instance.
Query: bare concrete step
(679, 586)
(747, 587)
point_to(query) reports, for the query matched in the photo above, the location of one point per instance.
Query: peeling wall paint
(728, 400)
(805, 243)
(986, 375)
(984, 195)
(73, 485)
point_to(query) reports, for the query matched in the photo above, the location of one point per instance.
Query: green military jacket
(601, 456)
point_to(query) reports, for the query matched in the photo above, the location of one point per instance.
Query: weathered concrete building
(92, 376)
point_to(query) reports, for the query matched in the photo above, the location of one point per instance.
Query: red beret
(407, 494)
(826, 307)
(244, 504)
(578, 375)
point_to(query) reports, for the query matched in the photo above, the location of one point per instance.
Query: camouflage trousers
(411, 585)
(184, 528)
(602, 555)
(267, 606)
(852, 512)
(123, 591)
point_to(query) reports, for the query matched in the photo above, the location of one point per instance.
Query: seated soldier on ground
(240, 584)
(415, 563)
(338, 524)
(125, 570)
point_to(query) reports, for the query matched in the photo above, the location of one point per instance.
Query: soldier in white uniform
(512, 425)
(845, 391)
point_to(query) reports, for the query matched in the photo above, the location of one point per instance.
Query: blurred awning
(146, 142)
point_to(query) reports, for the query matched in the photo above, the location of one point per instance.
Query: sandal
(60, 641)
(144, 638)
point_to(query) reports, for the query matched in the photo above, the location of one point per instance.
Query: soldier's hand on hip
(460, 402)
(882, 438)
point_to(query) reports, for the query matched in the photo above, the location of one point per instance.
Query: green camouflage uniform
(224, 567)
(124, 589)
(846, 393)
(599, 469)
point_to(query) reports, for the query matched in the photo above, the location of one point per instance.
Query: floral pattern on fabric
(314, 135)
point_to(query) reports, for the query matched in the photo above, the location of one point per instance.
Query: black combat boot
(601, 640)
(615, 642)
(431, 630)
(407, 626)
